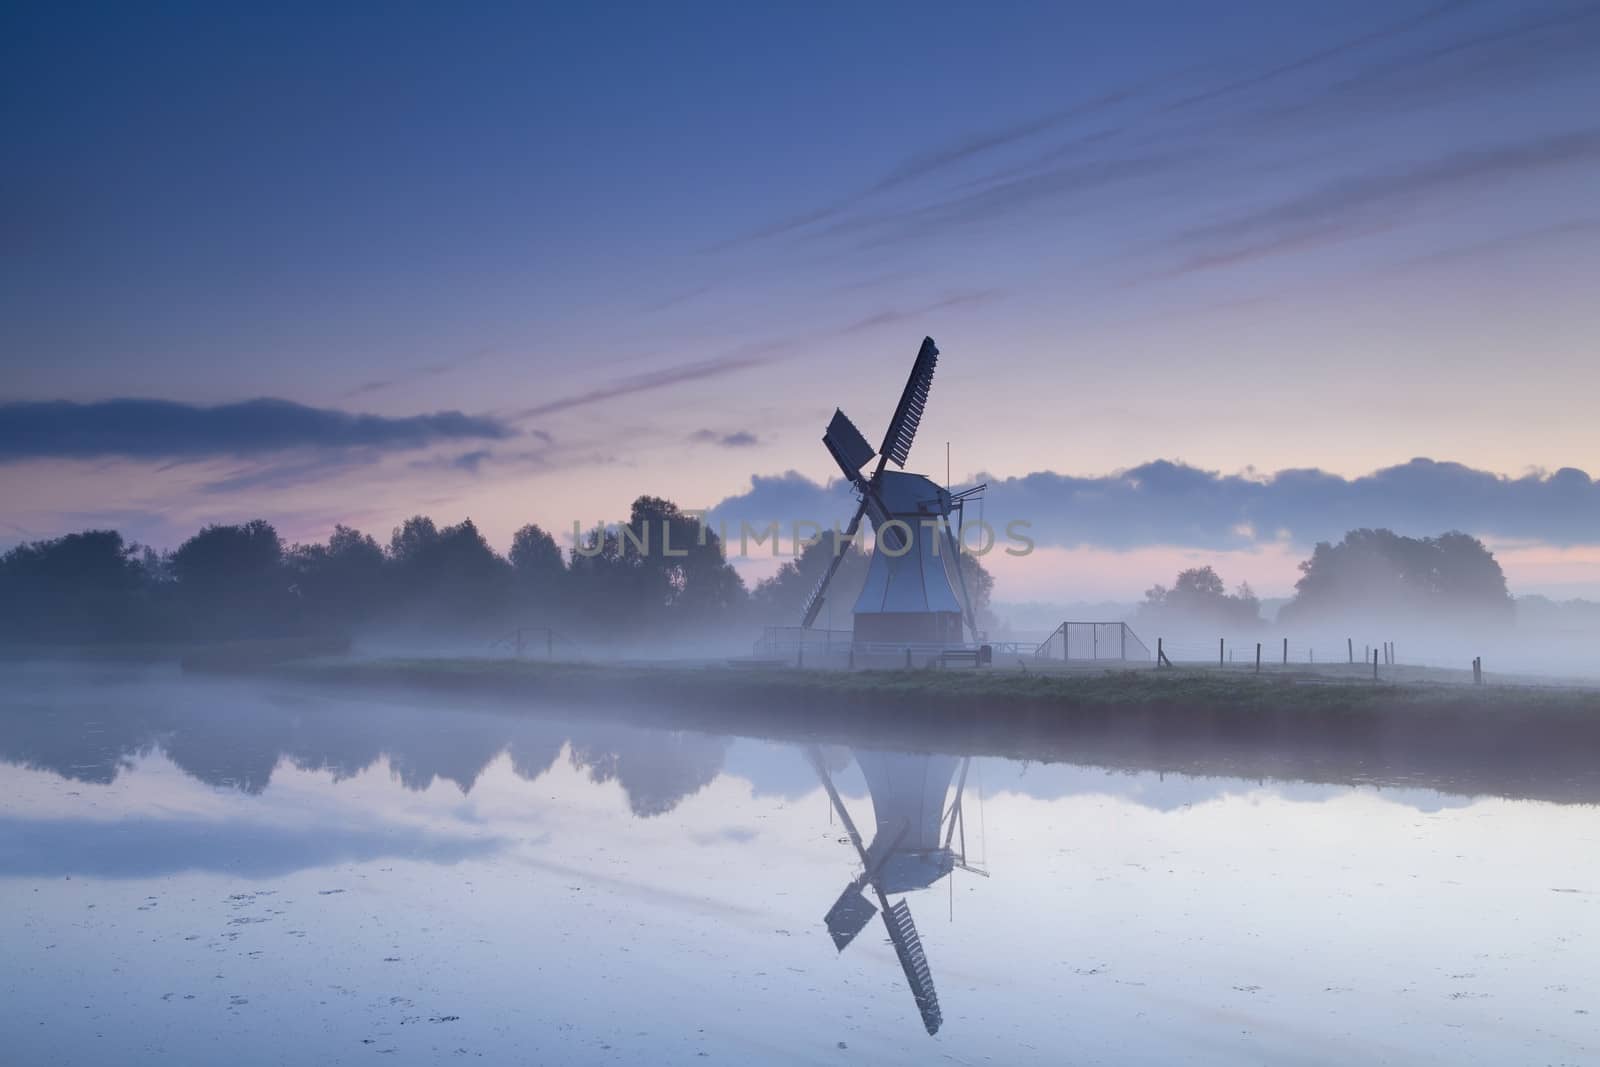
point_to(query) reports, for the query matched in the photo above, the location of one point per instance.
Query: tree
(1449, 578)
(683, 570)
(780, 599)
(1198, 596)
(450, 571)
(537, 567)
(231, 581)
(980, 589)
(81, 587)
(341, 581)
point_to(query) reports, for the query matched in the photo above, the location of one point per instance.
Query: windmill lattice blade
(903, 427)
(814, 602)
(908, 946)
(848, 448)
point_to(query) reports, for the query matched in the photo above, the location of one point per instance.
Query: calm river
(196, 871)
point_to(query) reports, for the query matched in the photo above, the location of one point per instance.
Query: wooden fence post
(1350, 647)
(1258, 657)
(1222, 656)
(1285, 651)
(1374, 665)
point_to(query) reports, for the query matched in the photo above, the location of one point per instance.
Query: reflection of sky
(1135, 916)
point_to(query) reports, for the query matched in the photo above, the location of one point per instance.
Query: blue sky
(648, 249)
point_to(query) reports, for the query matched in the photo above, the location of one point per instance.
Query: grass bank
(993, 692)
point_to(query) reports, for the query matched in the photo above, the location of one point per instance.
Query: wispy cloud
(649, 381)
(290, 475)
(736, 439)
(422, 373)
(1352, 197)
(1318, 57)
(166, 429)
(891, 316)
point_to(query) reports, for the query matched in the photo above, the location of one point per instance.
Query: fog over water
(193, 869)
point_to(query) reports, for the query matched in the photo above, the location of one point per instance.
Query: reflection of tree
(240, 747)
(235, 750)
(656, 770)
(81, 743)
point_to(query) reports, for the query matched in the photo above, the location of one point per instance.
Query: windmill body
(913, 593)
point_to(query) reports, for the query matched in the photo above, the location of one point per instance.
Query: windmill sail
(849, 449)
(849, 915)
(908, 946)
(908, 415)
(814, 601)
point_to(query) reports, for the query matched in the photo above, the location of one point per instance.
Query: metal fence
(1090, 641)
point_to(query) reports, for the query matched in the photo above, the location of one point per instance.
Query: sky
(1211, 283)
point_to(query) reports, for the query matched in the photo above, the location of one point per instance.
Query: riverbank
(991, 690)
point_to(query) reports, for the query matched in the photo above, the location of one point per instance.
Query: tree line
(661, 569)
(1451, 578)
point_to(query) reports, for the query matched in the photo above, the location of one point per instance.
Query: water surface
(195, 871)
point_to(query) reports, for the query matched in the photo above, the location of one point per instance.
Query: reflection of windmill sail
(908, 946)
(910, 850)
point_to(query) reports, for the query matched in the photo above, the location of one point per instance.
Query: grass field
(998, 690)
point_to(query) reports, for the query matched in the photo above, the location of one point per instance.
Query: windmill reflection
(916, 842)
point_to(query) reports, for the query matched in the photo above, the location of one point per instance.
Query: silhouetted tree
(780, 599)
(452, 571)
(84, 586)
(540, 572)
(662, 565)
(1198, 596)
(231, 582)
(1450, 578)
(343, 580)
(980, 588)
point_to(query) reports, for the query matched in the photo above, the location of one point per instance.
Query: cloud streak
(1166, 503)
(650, 381)
(167, 429)
(736, 439)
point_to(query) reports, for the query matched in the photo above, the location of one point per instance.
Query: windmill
(910, 850)
(909, 597)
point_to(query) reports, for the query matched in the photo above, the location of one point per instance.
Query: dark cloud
(470, 461)
(1165, 503)
(736, 439)
(165, 429)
